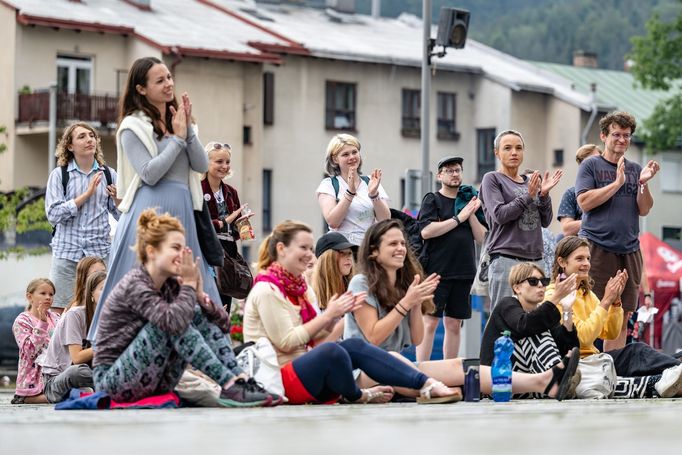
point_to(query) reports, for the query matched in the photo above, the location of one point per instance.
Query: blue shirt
(83, 231)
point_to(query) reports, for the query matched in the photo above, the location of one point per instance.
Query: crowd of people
(128, 317)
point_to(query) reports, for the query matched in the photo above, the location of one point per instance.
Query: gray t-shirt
(614, 225)
(69, 330)
(515, 220)
(401, 337)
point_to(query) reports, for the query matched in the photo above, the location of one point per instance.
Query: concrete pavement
(643, 427)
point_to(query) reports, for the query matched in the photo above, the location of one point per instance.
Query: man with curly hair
(78, 199)
(613, 193)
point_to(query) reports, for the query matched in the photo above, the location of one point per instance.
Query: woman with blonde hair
(81, 193)
(350, 202)
(158, 319)
(279, 309)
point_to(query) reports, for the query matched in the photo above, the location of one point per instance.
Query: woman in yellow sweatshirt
(642, 371)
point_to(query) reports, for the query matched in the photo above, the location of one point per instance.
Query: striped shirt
(83, 231)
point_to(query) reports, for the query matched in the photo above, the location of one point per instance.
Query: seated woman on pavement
(158, 319)
(642, 371)
(541, 336)
(396, 297)
(332, 273)
(279, 309)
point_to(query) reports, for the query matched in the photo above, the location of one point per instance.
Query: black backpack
(413, 229)
(65, 181)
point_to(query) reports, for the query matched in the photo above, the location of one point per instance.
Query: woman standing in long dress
(160, 163)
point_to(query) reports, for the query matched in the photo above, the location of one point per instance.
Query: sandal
(375, 395)
(426, 398)
(563, 375)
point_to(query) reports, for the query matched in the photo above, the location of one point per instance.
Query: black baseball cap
(332, 241)
(450, 160)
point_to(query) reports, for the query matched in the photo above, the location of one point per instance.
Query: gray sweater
(176, 156)
(515, 220)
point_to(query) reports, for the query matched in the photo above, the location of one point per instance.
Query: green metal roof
(615, 89)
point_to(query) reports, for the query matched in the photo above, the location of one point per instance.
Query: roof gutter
(593, 114)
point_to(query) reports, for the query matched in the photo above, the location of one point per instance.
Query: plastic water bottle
(502, 368)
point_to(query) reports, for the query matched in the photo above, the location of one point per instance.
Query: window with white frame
(671, 169)
(74, 74)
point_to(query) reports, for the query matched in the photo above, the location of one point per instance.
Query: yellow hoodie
(591, 320)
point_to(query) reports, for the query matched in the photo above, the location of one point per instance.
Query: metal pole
(376, 9)
(425, 96)
(52, 129)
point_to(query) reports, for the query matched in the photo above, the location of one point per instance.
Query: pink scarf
(294, 288)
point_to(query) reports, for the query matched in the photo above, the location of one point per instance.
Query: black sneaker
(243, 395)
(276, 399)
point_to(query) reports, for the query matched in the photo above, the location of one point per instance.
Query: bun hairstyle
(152, 230)
(33, 285)
(284, 232)
(389, 296)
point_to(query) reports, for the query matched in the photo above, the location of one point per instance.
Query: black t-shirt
(451, 255)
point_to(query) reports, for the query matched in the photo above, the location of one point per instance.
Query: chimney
(342, 6)
(376, 9)
(584, 59)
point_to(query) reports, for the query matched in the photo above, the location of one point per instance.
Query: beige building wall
(7, 93)
(294, 147)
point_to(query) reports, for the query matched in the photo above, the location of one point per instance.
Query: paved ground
(643, 427)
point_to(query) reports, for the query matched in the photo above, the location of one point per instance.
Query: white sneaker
(670, 382)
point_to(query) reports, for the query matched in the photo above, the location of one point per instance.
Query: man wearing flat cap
(452, 220)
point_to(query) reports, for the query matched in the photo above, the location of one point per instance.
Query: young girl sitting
(32, 330)
(66, 364)
(158, 319)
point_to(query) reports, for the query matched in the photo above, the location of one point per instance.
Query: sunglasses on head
(219, 146)
(534, 281)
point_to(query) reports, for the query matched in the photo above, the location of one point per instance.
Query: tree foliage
(658, 65)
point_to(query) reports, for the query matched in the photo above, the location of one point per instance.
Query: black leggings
(327, 370)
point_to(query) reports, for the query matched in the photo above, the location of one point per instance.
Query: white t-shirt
(69, 330)
(360, 214)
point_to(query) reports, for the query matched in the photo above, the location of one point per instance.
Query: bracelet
(617, 303)
(350, 192)
(375, 197)
(346, 197)
(399, 312)
(567, 314)
(402, 307)
(457, 220)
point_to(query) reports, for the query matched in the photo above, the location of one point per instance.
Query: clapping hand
(620, 171)
(648, 172)
(550, 182)
(563, 290)
(420, 290)
(179, 121)
(374, 181)
(469, 209)
(534, 184)
(614, 287)
(353, 180)
(187, 106)
(345, 303)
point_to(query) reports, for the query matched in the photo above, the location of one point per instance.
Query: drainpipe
(376, 9)
(52, 128)
(178, 59)
(593, 114)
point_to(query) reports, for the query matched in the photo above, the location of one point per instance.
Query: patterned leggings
(154, 361)
(539, 353)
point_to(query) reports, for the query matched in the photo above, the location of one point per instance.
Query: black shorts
(452, 299)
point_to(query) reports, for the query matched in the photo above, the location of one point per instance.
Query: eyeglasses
(217, 146)
(618, 136)
(450, 171)
(534, 281)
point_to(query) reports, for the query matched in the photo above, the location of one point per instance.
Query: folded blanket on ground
(100, 400)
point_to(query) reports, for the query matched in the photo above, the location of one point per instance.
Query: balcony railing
(102, 109)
